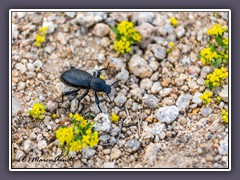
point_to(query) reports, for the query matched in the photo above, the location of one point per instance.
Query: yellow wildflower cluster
(122, 46)
(65, 134)
(206, 97)
(216, 30)
(79, 135)
(114, 117)
(214, 79)
(126, 36)
(76, 117)
(207, 56)
(225, 41)
(174, 22)
(225, 116)
(40, 38)
(213, 54)
(37, 111)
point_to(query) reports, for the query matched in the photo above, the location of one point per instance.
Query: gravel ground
(164, 125)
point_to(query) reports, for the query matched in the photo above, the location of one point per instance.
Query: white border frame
(116, 10)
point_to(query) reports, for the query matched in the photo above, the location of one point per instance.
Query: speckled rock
(180, 31)
(151, 153)
(15, 105)
(123, 75)
(101, 30)
(205, 111)
(132, 145)
(139, 67)
(223, 148)
(196, 98)
(150, 100)
(159, 51)
(120, 99)
(167, 114)
(115, 153)
(27, 145)
(116, 63)
(102, 122)
(224, 94)
(183, 101)
(146, 83)
(165, 92)
(142, 17)
(41, 144)
(109, 165)
(156, 87)
(156, 129)
(88, 19)
(21, 67)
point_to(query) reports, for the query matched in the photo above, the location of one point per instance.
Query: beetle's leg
(99, 71)
(80, 98)
(69, 93)
(66, 94)
(97, 101)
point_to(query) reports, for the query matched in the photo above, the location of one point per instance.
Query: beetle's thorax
(97, 84)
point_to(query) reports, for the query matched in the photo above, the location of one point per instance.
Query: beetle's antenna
(115, 82)
(107, 65)
(109, 98)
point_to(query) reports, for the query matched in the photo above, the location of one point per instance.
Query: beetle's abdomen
(97, 84)
(76, 78)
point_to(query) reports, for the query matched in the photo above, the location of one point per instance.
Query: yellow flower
(54, 116)
(86, 139)
(114, 118)
(75, 145)
(37, 111)
(225, 41)
(206, 97)
(71, 115)
(217, 30)
(37, 44)
(88, 132)
(174, 22)
(43, 30)
(78, 117)
(214, 79)
(40, 38)
(225, 116)
(65, 134)
(126, 35)
(94, 139)
(137, 37)
(122, 46)
(172, 45)
(84, 145)
(207, 56)
(83, 123)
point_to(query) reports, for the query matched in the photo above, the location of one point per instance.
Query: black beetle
(83, 80)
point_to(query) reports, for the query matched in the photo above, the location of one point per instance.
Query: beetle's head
(107, 89)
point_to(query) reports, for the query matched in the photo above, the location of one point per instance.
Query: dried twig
(138, 125)
(119, 133)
